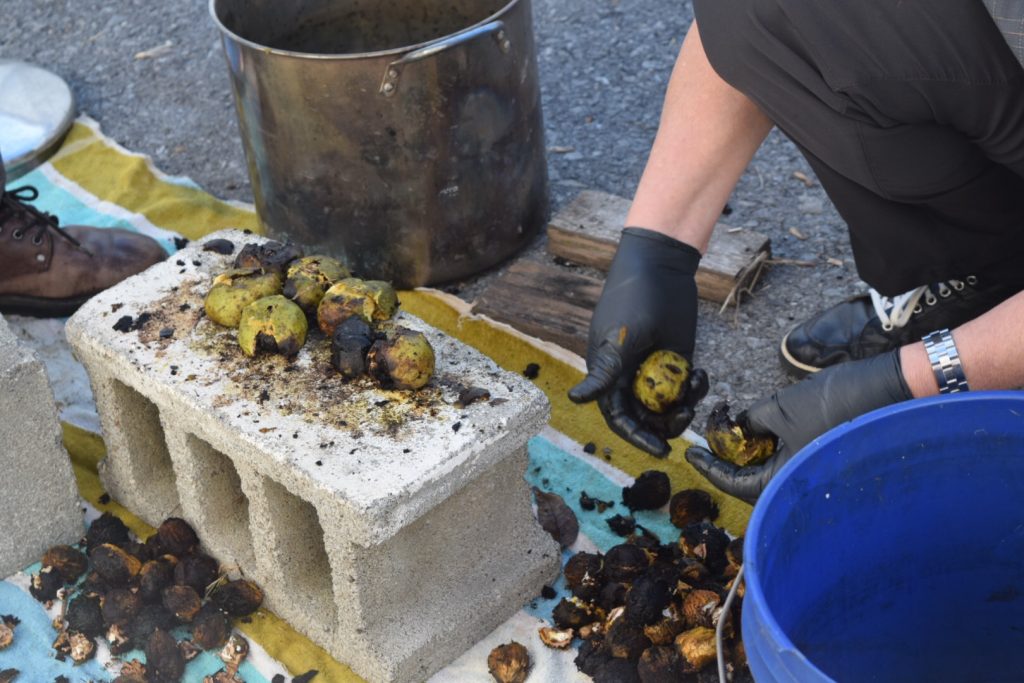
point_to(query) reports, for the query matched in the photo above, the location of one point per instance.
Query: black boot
(870, 324)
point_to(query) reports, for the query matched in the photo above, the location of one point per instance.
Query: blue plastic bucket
(892, 549)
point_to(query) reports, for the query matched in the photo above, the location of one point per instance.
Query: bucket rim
(751, 553)
(324, 56)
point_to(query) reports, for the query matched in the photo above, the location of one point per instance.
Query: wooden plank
(587, 232)
(543, 300)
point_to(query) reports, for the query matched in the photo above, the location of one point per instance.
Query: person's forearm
(989, 348)
(708, 134)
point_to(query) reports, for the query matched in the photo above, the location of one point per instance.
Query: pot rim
(347, 55)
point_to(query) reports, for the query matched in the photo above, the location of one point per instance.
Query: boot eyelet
(887, 327)
(958, 285)
(972, 280)
(917, 309)
(930, 299)
(17, 234)
(37, 240)
(944, 291)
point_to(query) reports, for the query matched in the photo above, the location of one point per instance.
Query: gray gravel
(604, 65)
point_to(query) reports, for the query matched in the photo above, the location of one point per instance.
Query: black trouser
(911, 112)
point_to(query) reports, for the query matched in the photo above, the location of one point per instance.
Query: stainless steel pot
(403, 136)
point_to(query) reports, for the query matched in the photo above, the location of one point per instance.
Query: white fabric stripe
(136, 220)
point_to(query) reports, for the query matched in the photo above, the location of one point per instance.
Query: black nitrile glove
(801, 412)
(649, 303)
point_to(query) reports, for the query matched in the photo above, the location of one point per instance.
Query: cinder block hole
(300, 550)
(139, 421)
(225, 525)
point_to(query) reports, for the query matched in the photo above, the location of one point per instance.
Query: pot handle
(389, 84)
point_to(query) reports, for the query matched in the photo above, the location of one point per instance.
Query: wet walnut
(625, 562)
(106, 529)
(691, 505)
(120, 606)
(210, 628)
(509, 663)
(70, 562)
(197, 571)
(583, 575)
(574, 613)
(403, 359)
(154, 576)
(182, 601)
(114, 565)
(232, 291)
(661, 664)
(650, 491)
(272, 324)
(238, 598)
(309, 277)
(45, 584)
(699, 608)
(177, 536)
(85, 615)
(732, 441)
(372, 300)
(705, 542)
(647, 599)
(697, 647)
(626, 640)
(164, 661)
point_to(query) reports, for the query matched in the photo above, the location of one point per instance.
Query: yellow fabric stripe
(128, 181)
(581, 423)
(289, 647)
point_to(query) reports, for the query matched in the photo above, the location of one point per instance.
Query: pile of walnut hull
(647, 611)
(135, 594)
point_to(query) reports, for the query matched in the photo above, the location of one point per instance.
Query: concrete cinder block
(39, 502)
(394, 529)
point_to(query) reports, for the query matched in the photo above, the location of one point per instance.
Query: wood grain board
(543, 300)
(587, 232)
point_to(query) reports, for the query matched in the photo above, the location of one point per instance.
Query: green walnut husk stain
(235, 289)
(308, 278)
(372, 300)
(272, 324)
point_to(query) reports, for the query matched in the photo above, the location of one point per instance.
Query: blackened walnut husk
(238, 598)
(697, 647)
(155, 576)
(592, 655)
(120, 606)
(625, 562)
(182, 601)
(646, 600)
(106, 529)
(617, 671)
(271, 255)
(85, 615)
(734, 553)
(691, 505)
(164, 661)
(626, 640)
(705, 542)
(509, 663)
(573, 613)
(70, 562)
(197, 571)
(150, 618)
(650, 491)
(612, 595)
(699, 607)
(661, 664)
(350, 343)
(621, 526)
(665, 630)
(45, 584)
(583, 575)
(177, 536)
(210, 628)
(115, 565)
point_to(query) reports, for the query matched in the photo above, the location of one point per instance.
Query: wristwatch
(945, 360)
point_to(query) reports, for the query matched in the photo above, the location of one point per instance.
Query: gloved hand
(801, 412)
(649, 303)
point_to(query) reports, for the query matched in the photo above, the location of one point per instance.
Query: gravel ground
(604, 65)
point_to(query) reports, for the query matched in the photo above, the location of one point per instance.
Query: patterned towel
(93, 181)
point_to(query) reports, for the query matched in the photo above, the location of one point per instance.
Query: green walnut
(372, 300)
(272, 324)
(309, 277)
(731, 440)
(235, 289)
(660, 381)
(402, 359)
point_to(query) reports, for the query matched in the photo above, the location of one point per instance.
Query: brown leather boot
(49, 271)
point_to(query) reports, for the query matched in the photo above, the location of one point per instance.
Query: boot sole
(36, 307)
(791, 365)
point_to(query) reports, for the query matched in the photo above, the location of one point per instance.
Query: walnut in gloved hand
(649, 303)
(801, 412)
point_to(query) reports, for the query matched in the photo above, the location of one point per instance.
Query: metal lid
(36, 112)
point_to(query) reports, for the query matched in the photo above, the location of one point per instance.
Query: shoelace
(13, 203)
(897, 311)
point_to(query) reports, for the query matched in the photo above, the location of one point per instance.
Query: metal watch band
(945, 360)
